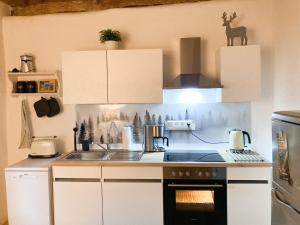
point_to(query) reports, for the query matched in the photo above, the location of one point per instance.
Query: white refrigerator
(28, 187)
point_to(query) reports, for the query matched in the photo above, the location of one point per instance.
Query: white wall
(262, 109)
(4, 11)
(151, 27)
(286, 27)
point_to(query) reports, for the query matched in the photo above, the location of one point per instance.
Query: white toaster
(43, 146)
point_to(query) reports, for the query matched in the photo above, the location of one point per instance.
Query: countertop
(31, 165)
(156, 159)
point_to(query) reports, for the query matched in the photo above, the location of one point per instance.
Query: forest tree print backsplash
(103, 123)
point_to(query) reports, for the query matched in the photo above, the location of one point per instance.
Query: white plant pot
(112, 45)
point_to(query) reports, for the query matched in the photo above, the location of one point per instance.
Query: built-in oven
(194, 196)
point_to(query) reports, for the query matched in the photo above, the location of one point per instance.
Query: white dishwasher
(29, 190)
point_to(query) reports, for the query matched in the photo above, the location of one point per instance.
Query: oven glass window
(195, 200)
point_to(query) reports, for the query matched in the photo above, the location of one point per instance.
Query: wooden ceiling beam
(37, 7)
(14, 3)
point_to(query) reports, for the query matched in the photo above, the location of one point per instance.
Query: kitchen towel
(26, 135)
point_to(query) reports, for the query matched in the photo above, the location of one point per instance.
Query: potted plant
(110, 38)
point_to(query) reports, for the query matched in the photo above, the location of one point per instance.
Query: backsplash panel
(103, 123)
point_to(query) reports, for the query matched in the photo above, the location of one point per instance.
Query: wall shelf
(34, 76)
(41, 73)
(33, 94)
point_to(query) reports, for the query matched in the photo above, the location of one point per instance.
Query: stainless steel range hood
(190, 69)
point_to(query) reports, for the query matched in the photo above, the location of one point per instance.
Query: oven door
(195, 202)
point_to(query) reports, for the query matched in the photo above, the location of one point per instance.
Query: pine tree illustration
(136, 128)
(160, 120)
(153, 120)
(113, 132)
(140, 125)
(147, 118)
(167, 117)
(91, 130)
(86, 128)
(82, 133)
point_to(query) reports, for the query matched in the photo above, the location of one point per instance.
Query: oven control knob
(214, 174)
(200, 174)
(173, 173)
(180, 173)
(187, 173)
(207, 174)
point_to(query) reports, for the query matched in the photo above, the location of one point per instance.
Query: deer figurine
(231, 33)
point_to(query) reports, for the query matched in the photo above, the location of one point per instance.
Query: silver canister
(27, 63)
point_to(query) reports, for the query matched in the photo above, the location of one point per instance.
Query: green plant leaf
(110, 35)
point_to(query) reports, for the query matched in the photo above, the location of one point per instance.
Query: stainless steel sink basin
(99, 155)
(113, 155)
(125, 156)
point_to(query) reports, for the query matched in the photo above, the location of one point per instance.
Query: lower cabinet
(77, 200)
(249, 196)
(132, 196)
(125, 196)
(136, 203)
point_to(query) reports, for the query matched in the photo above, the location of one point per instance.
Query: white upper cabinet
(240, 73)
(135, 76)
(84, 75)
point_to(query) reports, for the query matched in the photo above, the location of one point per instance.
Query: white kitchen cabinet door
(249, 196)
(240, 72)
(135, 76)
(84, 75)
(135, 203)
(249, 204)
(77, 203)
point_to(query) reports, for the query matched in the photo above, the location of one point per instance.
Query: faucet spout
(107, 149)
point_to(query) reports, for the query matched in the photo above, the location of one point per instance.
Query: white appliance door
(28, 199)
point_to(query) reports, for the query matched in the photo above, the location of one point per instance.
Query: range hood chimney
(190, 67)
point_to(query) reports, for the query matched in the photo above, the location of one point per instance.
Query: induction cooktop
(193, 156)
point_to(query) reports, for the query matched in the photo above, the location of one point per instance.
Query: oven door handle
(197, 185)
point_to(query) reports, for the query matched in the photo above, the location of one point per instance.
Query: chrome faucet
(107, 149)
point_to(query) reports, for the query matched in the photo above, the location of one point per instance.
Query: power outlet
(180, 125)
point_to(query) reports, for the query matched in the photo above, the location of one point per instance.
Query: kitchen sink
(85, 155)
(125, 156)
(113, 155)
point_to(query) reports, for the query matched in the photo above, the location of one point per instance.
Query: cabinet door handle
(276, 195)
(132, 180)
(247, 181)
(77, 180)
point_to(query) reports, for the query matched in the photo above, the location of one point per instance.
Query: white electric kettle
(237, 139)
